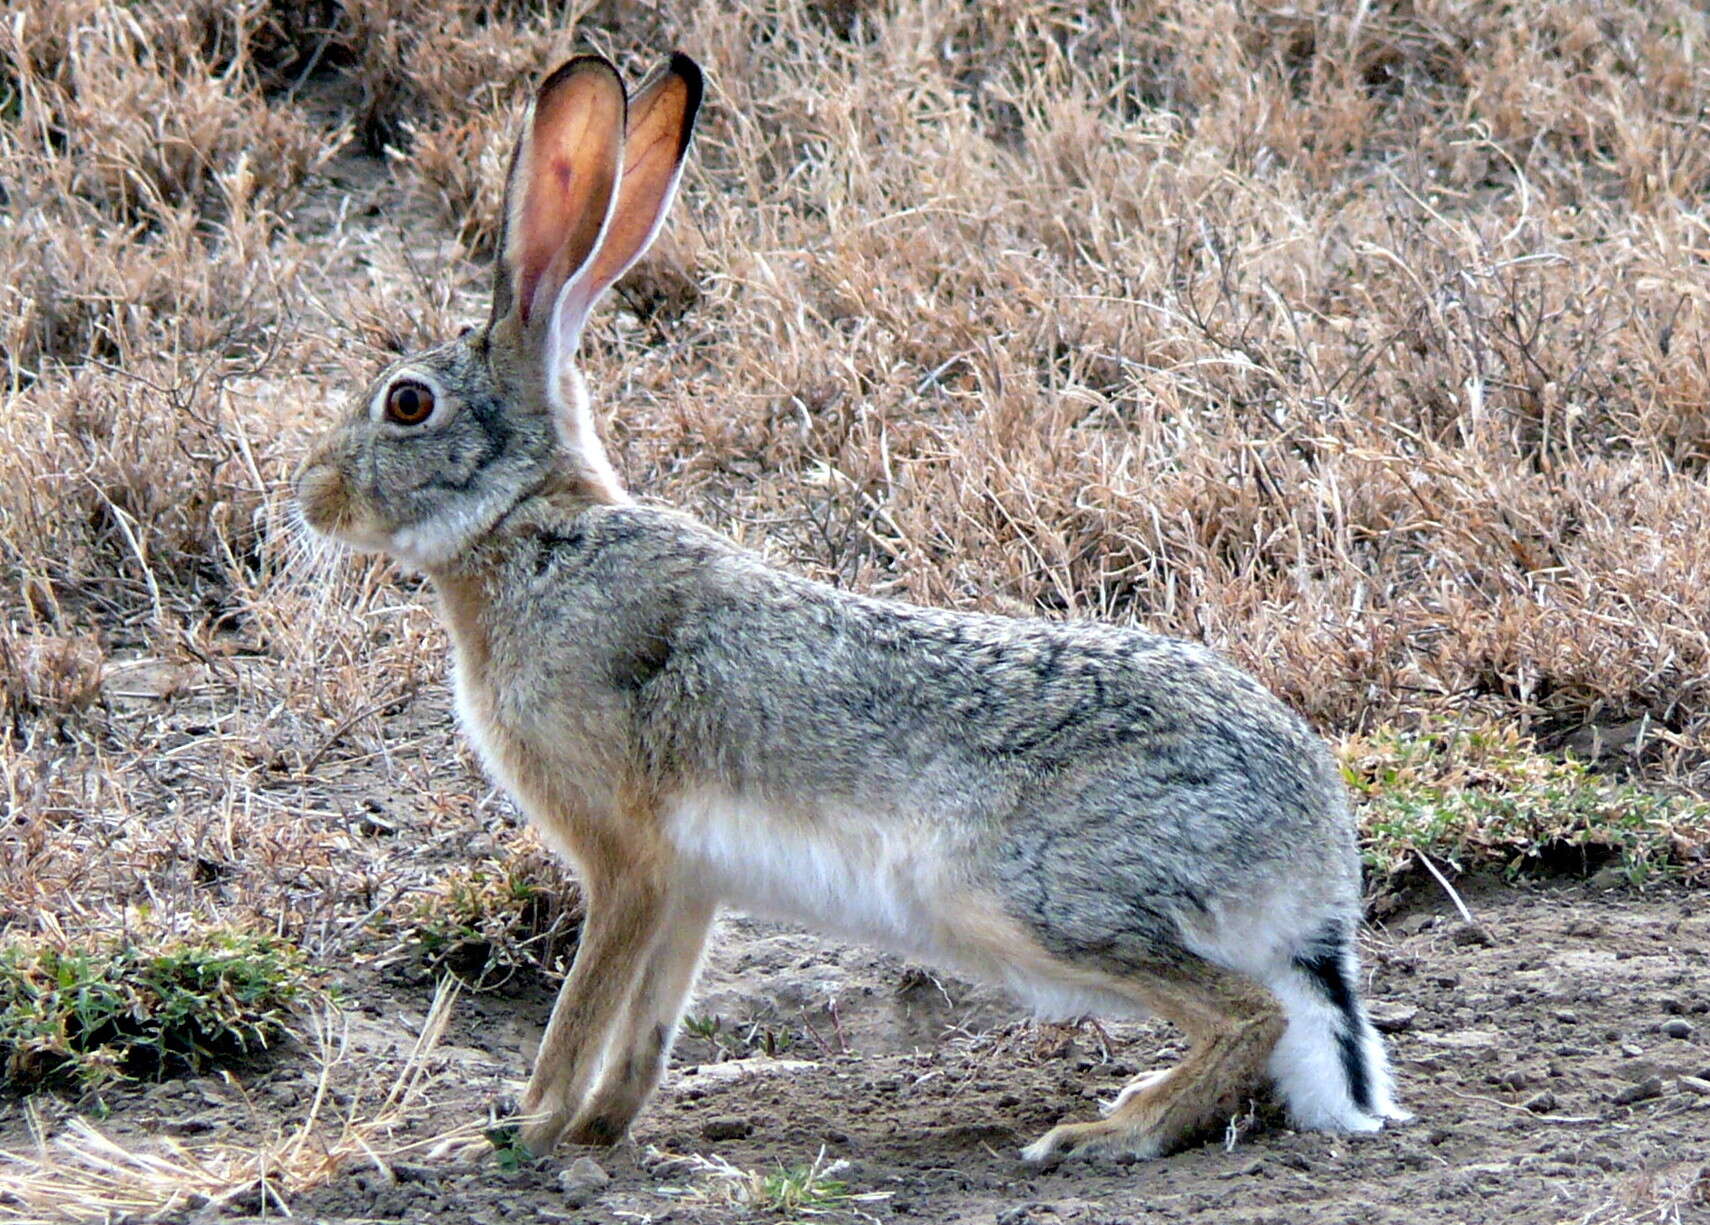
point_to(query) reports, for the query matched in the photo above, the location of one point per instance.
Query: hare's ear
(558, 202)
(661, 120)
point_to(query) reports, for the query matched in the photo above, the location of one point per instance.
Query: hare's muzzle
(323, 495)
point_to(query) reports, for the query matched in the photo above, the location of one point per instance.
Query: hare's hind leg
(1233, 1023)
(639, 1051)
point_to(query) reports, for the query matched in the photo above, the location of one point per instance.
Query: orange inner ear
(659, 121)
(570, 164)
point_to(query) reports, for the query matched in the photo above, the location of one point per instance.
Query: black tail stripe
(1354, 1064)
(1324, 963)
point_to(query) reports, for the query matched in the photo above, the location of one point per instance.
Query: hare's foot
(1162, 1111)
(1234, 1022)
(606, 1117)
(1134, 1125)
(540, 1129)
(1139, 1084)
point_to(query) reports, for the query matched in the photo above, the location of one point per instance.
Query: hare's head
(433, 452)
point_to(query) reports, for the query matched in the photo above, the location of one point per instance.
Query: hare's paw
(543, 1120)
(1136, 1086)
(540, 1133)
(1105, 1138)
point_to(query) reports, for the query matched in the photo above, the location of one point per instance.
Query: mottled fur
(1101, 819)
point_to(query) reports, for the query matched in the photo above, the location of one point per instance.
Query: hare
(1100, 819)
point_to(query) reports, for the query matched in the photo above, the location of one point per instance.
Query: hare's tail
(1330, 1065)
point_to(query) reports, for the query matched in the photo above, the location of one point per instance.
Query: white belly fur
(843, 873)
(894, 883)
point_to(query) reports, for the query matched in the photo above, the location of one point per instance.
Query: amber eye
(409, 403)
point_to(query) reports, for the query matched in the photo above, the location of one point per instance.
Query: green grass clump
(1489, 800)
(801, 1189)
(142, 1007)
(806, 1189)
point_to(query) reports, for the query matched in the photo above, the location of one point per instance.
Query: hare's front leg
(641, 1043)
(626, 914)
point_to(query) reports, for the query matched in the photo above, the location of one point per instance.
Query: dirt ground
(1549, 1056)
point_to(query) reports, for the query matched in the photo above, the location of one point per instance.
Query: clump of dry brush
(1365, 341)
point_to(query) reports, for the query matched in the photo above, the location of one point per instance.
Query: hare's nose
(321, 494)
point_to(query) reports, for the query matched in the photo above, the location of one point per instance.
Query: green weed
(802, 1190)
(87, 1014)
(735, 1042)
(508, 1148)
(1490, 799)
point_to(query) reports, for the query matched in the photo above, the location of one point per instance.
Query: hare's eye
(409, 403)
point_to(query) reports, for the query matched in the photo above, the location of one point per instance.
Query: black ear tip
(685, 67)
(576, 67)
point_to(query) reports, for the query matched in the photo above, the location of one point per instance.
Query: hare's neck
(585, 470)
(463, 594)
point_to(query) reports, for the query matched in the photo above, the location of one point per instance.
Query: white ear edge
(576, 299)
(665, 203)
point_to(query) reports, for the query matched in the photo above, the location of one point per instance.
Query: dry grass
(1364, 341)
(83, 1175)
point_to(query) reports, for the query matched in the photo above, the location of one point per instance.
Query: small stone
(583, 1181)
(666, 1168)
(1636, 1071)
(1641, 1092)
(1540, 1103)
(727, 1127)
(1394, 1020)
(1255, 1166)
(1695, 1084)
(1465, 933)
(1584, 927)
(1612, 877)
(1632, 1050)
(1567, 1016)
(1677, 1028)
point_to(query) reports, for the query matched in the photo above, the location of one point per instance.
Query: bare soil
(1538, 1051)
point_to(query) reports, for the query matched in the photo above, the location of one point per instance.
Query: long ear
(558, 201)
(661, 120)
